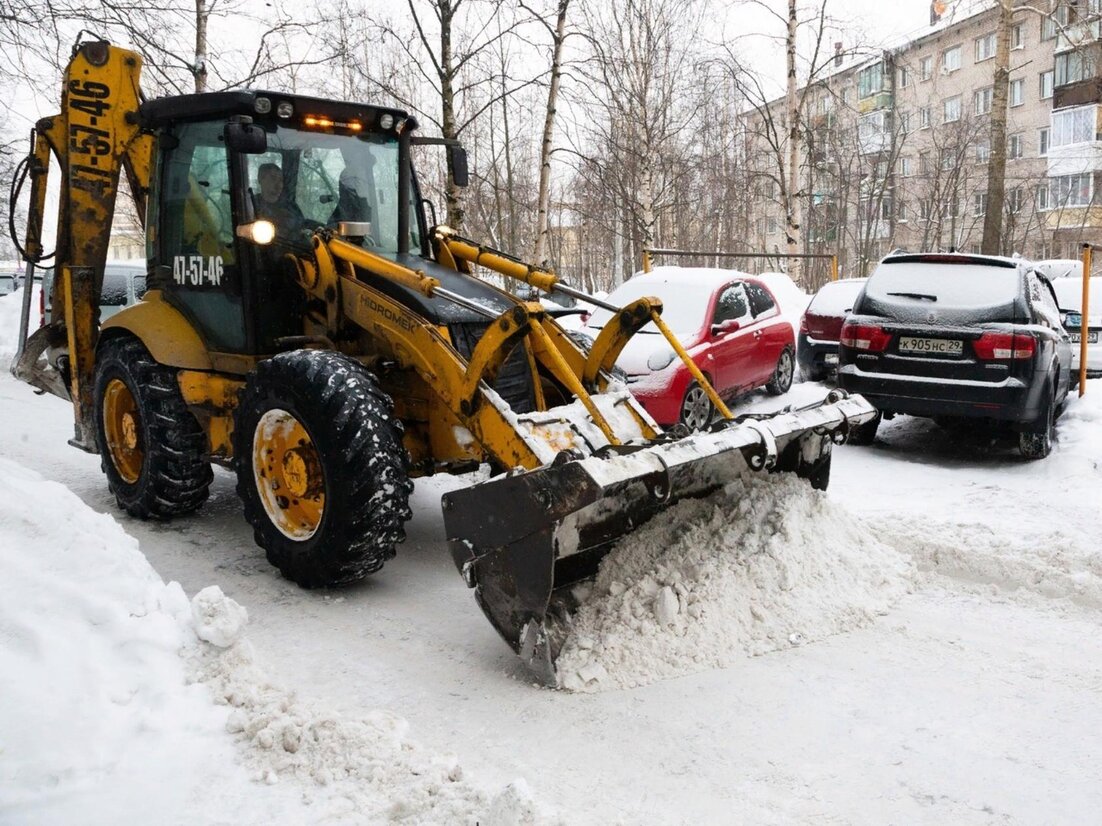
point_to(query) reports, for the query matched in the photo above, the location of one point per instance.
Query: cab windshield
(308, 179)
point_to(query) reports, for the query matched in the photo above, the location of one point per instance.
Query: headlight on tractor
(661, 359)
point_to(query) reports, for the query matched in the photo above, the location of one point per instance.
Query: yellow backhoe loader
(307, 326)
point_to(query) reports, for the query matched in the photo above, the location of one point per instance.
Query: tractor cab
(231, 167)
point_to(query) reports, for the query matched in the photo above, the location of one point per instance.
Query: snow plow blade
(523, 541)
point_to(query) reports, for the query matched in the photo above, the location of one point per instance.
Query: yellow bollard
(1084, 326)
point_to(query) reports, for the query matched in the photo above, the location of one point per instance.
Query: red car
(731, 325)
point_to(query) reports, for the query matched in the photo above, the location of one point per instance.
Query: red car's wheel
(697, 410)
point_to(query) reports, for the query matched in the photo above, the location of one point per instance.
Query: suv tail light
(1005, 346)
(865, 337)
(803, 324)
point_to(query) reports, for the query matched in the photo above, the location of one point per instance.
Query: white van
(123, 284)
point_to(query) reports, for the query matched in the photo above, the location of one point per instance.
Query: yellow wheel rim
(122, 430)
(288, 475)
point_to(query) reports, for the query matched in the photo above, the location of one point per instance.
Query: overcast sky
(870, 24)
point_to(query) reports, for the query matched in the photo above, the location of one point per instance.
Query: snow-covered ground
(920, 644)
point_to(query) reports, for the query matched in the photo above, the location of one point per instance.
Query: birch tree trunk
(544, 200)
(202, 14)
(792, 198)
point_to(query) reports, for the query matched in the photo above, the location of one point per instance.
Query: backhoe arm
(96, 136)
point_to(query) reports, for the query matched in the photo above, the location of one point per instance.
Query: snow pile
(362, 768)
(107, 705)
(791, 299)
(11, 306)
(97, 720)
(767, 563)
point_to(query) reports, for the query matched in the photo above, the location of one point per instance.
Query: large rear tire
(321, 468)
(152, 449)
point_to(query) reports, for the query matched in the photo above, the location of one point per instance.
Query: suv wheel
(1036, 443)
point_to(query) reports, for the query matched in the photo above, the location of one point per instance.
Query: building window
(951, 108)
(1071, 67)
(926, 68)
(950, 59)
(902, 79)
(924, 117)
(979, 204)
(924, 210)
(948, 161)
(904, 123)
(1014, 146)
(870, 81)
(985, 47)
(905, 167)
(1013, 203)
(983, 152)
(1041, 197)
(1070, 190)
(1048, 24)
(1046, 84)
(1042, 142)
(1017, 92)
(983, 100)
(845, 95)
(1071, 126)
(901, 214)
(951, 208)
(1017, 36)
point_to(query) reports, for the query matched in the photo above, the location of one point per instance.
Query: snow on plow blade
(522, 541)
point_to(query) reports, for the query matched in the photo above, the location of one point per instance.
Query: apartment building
(896, 146)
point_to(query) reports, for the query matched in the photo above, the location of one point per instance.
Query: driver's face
(271, 185)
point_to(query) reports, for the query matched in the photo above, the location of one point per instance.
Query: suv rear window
(945, 285)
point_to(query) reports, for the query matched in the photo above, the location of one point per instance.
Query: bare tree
(558, 37)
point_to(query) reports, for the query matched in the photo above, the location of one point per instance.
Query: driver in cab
(274, 206)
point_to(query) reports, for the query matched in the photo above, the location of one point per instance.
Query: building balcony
(1077, 94)
(873, 103)
(1074, 159)
(1078, 34)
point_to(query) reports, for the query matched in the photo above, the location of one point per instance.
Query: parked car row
(731, 325)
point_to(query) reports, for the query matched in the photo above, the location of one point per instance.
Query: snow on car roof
(702, 276)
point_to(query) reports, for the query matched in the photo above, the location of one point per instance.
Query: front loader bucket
(522, 540)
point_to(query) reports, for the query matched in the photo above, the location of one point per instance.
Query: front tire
(152, 449)
(697, 410)
(782, 374)
(321, 469)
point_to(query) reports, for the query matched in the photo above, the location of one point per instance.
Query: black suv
(953, 336)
